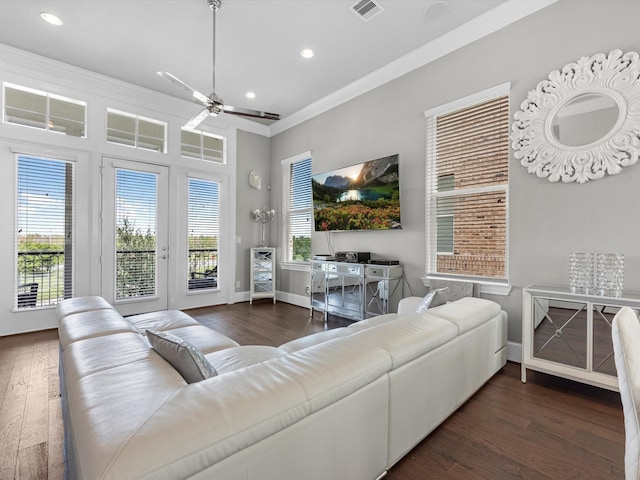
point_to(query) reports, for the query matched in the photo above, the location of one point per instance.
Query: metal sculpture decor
(583, 122)
(263, 216)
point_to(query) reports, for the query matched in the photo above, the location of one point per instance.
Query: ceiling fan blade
(197, 119)
(250, 113)
(196, 94)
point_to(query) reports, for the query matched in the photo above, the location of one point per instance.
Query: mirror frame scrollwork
(615, 75)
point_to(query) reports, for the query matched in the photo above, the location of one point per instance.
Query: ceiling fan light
(51, 18)
(307, 53)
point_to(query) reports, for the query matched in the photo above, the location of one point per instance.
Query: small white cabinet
(263, 273)
(569, 334)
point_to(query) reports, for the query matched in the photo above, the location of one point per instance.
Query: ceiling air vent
(366, 9)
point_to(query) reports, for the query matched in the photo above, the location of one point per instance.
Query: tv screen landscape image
(365, 196)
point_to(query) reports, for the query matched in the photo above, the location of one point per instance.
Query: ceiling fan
(213, 103)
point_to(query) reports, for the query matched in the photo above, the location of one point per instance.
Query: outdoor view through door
(44, 232)
(136, 214)
(204, 234)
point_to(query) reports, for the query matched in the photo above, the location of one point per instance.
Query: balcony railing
(203, 268)
(41, 279)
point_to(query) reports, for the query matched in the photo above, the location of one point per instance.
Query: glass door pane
(136, 227)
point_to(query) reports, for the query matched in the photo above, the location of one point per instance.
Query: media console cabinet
(354, 290)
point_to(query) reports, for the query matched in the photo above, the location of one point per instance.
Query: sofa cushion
(408, 337)
(183, 356)
(372, 322)
(94, 323)
(314, 339)
(235, 358)
(203, 338)
(96, 354)
(81, 304)
(161, 321)
(466, 313)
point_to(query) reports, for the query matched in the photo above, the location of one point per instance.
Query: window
(44, 232)
(204, 232)
(134, 131)
(467, 188)
(33, 108)
(203, 146)
(297, 209)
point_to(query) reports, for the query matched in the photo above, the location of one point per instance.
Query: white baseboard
(292, 298)
(286, 297)
(514, 352)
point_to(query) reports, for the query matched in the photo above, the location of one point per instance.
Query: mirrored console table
(569, 334)
(354, 290)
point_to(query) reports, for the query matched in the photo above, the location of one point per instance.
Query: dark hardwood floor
(548, 428)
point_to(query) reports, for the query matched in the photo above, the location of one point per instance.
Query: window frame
(48, 124)
(201, 146)
(489, 285)
(136, 132)
(286, 213)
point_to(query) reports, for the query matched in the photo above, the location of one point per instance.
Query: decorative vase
(581, 268)
(610, 274)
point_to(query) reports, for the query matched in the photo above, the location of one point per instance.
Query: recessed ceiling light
(250, 95)
(307, 53)
(51, 18)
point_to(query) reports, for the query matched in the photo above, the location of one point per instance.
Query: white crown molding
(492, 21)
(63, 78)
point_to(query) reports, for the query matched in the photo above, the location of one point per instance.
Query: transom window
(46, 111)
(135, 131)
(467, 188)
(203, 146)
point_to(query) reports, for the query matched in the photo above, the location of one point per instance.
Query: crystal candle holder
(610, 274)
(581, 268)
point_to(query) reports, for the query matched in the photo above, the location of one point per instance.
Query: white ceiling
(258, 42)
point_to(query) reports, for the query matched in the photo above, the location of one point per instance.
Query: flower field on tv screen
(345, 216)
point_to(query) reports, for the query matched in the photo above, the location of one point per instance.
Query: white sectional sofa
(346, 403)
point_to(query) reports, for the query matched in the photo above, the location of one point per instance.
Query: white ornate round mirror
(585, 119)
(582, 122)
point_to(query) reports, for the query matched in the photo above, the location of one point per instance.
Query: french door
(135, 247)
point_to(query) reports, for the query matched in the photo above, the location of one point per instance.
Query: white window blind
(134, 131)
(203, 146)
(467, 188)
(136, 220)
(33, 108)
(204, 233)
(44, 239)
(297, 208)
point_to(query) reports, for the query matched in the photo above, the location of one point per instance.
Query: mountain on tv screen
(365, 196)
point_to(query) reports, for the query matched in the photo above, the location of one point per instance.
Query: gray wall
(547, 221)
(252, 153)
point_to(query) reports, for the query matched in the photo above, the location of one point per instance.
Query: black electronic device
(325, 257)
(383, 261)
(353, 257)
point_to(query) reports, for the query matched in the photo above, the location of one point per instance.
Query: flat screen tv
(365, 196)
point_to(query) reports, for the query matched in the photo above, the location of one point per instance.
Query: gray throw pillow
(434, 298)
(182, 355)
